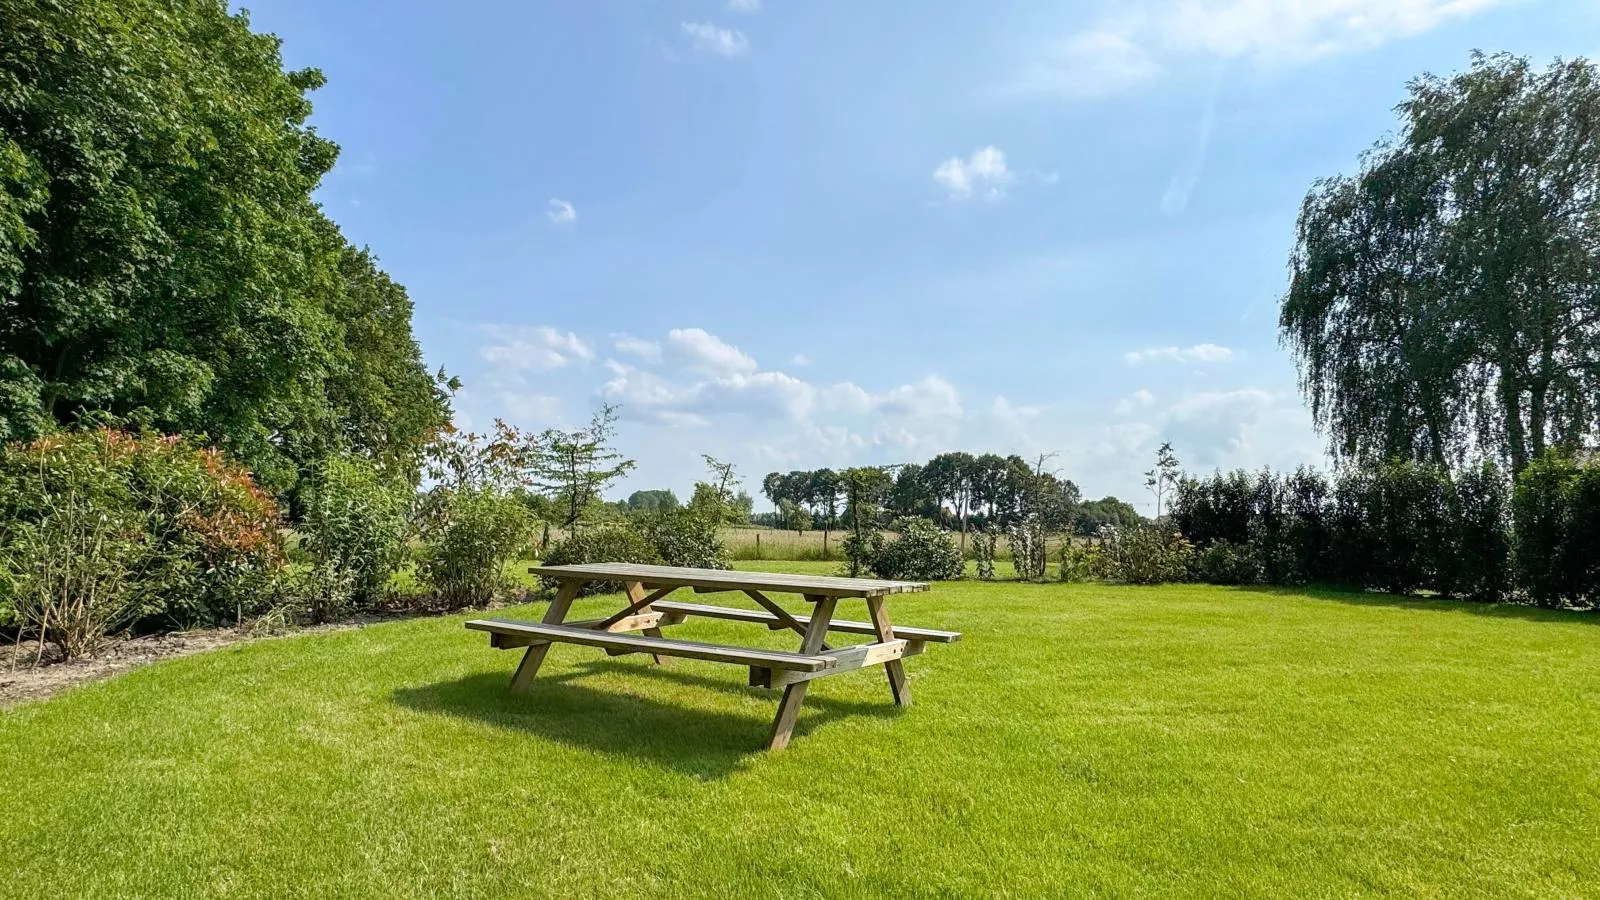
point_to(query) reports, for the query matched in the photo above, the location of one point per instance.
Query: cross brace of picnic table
(646, 612)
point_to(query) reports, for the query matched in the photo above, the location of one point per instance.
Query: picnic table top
(732, 580)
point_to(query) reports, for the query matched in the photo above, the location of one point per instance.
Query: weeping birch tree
(1445, 301)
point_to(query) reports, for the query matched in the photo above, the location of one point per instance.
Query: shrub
(354, 523)
(983, 552)
(681, 538)
(1483, 541)
(72, 577)
(1224, 562)
(609, 543)
(211, 540)
(469, 536)
(1028, 555)
(1583, 532)
(1081, 561)
(1147, 554)
(1539, 507)
(921, 552)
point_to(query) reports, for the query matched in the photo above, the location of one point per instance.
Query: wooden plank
(849, 659)
(729, 580)
(641, 602)
(534, 658)
(781, 614)
(632, 623)
(896, 670)
(629, 643)
(676, 611)
(795, 694)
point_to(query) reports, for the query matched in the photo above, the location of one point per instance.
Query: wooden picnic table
(647, 612)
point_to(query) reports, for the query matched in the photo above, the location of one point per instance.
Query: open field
(807, 546)
(1180, 740)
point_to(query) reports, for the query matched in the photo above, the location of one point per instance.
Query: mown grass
(1082, 739)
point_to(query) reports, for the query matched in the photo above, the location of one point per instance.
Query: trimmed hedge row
(1403, 527)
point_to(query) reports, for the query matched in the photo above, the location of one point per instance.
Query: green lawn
(1081, 739)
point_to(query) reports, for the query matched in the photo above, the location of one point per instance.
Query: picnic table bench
(647, 612)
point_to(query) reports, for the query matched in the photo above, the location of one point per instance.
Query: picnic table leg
(534, 658)
(895, 668)
(789, 706)
(636, 592)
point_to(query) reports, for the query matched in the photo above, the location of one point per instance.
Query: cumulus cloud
(703, 351)
(744, 6)
(649, 351)
(1199, 353)
(1140, 399)
(982, 174)
(1132, 46)
(561, 212)
(720, 41)
(534, 349)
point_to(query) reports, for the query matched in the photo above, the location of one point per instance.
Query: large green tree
(162, 262)
(1446, 301)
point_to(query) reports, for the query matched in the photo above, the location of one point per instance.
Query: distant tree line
(957, 491)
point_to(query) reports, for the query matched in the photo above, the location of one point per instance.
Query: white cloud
(535, 349)
(649, 351)
(1130, 47)
(983, 173)
(561, 212)
(698, 349)
(1176, 198)
(744, 6)
(1199, 353)
(711, 39)
(800, 359)
(1138, 400)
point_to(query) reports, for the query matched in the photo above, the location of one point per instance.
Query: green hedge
(1403, 527)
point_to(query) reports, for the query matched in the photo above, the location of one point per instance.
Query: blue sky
(795, 233)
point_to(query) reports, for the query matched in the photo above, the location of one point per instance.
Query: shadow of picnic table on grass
(695, 740)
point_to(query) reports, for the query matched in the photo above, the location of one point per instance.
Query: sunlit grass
(1080, 739)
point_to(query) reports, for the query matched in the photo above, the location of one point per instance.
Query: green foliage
(983, 553)
(354, 522)
(1442, 301)
(652, 501)
(72, 577)
(1224, 562)
(921, 552)
(681, 538)
(1556, 507)
(1081, 561)
(1483, 538)
(1094, 515)
(469, 536)
(182, 529)
(1147, 554)
(574, 467)
(610, 543)
(162, 262)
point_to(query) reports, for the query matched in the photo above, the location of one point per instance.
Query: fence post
(758, 546)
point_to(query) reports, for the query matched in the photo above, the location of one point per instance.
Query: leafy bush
(469, 536)
(1483, 539)
(681, 538)
(1556, 506)
(1539, 506)
(1224, 562)
(1081, 561)
(610, 543)
(354, 523)
(72, 577)
(983, 552)
(209, 542)
(922, 552)
(1147, 554)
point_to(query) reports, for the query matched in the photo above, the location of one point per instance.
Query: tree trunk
(1511, 400)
